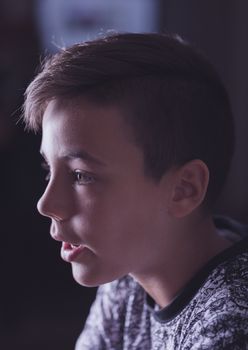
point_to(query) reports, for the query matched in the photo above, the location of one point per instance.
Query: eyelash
(86, 178)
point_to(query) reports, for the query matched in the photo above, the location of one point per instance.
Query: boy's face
(98, 198)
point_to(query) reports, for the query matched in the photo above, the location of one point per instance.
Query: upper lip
(58, 237)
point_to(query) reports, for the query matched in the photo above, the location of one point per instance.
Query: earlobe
(190, 187)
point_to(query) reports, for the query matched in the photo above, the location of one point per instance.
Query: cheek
(119, 220)
(94, 220)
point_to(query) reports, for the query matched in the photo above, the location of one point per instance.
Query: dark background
(41, 306)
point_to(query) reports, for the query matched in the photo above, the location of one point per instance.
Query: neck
(178, 263)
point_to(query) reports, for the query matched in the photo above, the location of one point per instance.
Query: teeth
(75, 245)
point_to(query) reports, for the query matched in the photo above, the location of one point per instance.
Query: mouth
(70, 251)
(71, 245)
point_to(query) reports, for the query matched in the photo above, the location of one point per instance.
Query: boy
(137, 134)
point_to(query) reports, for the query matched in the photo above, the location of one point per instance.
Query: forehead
(81, 126)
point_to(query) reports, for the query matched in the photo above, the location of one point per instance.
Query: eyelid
(91, 177)
(85, 174)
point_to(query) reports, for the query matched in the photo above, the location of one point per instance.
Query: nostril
(48, 208)
(56, 218)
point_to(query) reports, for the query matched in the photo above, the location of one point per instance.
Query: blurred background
(41, 306)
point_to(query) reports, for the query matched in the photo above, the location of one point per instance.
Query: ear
(189, 188)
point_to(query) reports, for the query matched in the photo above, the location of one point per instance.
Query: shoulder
(220, 312)
(223, 330)
(226, 287)
(229, 281)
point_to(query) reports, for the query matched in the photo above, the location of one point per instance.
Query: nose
(51, 203)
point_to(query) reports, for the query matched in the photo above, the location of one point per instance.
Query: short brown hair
(173, 98)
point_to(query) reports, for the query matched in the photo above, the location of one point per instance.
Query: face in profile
(103, 209)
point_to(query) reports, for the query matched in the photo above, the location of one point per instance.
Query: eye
(46, 167)
(83, 177)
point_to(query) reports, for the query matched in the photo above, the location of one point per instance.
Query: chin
(83, 277)
(87, 278)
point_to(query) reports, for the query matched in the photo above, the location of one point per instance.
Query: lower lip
(69, 253)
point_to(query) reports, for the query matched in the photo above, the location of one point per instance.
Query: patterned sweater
(211, 312)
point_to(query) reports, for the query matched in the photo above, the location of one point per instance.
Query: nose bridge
(51, 203)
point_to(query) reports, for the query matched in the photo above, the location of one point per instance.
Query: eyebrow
(83, 155)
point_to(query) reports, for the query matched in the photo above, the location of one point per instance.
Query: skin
(126, 222)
